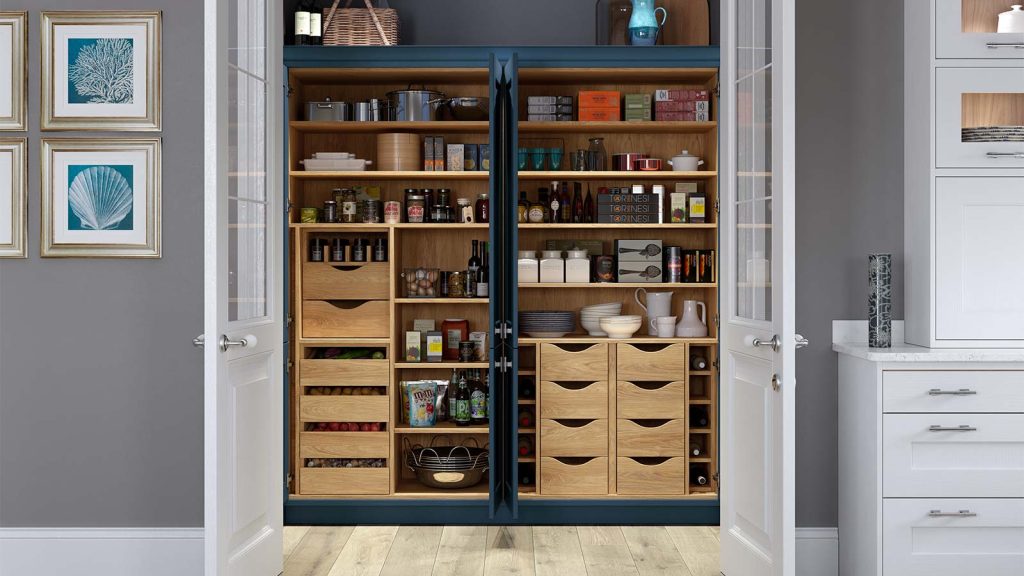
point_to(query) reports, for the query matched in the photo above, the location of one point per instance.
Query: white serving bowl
(620, 330)
(623, 319)
(593, 327)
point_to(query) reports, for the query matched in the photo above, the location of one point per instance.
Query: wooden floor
(501, 550)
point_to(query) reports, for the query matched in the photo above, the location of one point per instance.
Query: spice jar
(440, 214)
(316, 250)
(428, 203)
(457, 284)
(359, 251)
(444, 198)
(330, 211)
(466, 215)
(482, 208)
(380, 250)
(414, 208)
(348, 206)
(338, 246)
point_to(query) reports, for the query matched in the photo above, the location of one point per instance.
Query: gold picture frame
(13, 197)
(14, 97)
(80, 48)
(92, 205)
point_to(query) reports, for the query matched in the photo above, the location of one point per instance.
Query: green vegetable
(378, 355)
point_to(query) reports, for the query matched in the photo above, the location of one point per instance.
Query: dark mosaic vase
(880, 300)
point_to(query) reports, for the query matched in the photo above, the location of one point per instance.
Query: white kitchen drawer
(953, 391)
(987, 541)
(966, 29)
(970, 456)
(976, 98)
(979, 264)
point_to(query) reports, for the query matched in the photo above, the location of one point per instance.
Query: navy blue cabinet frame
(503, 505)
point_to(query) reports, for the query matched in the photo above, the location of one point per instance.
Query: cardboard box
(423, 325)
(435, 347)
(456, 158)
(485, 157)
(677, 207)
(639, 272)
(439, 151)
(683, 106)
(471, 160)
(479, 340)
(549, 109)
(681, 94)
(650, 209)
(699, 266)
(549, 118)
(428, 153)
(682, 116)
(626, 219)
(599, 115)
(638, 115)
(413, 347)
(637, 101)
(548, 100)
(599, 98)
(696, 209)
(627, 199)
(635, 250)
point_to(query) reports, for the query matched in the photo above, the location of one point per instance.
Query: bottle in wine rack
(525, 446)
(526, 390)
(699, 417)
(695, 449)
(525, 418)
(697, 476)
(698, 362)
(526, 479)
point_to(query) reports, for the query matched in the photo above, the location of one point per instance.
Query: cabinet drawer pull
(957, 514)
(960, 428)
(998, 45)
(1002, 155)
(960, 392)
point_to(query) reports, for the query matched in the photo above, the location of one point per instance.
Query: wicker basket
(360, 26)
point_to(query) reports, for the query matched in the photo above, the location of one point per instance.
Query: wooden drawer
(328, 281)
(574, 399)
(652, 437)
(315, 372)
(651, 362)
(953, 391)
(920, 544)
(987, 462)
(588, 362)
(343, 408)
(343, 445)
(573, 476)
(346, 319)
(651, 399)
(574, 437)
(343, 481)
(654, 476)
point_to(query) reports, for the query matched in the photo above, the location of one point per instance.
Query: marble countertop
(850, 337)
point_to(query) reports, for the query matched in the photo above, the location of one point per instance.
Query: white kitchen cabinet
(967, 29)
(973, 107)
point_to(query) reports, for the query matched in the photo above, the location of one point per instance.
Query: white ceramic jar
(1012, 22)
(577, 267)
(552, 267)
(529, 267)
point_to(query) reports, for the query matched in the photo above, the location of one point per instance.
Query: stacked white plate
(621, 327)
(590, 316)
(547, 324)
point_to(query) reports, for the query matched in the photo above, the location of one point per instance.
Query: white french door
(244, 328)
(758, 333)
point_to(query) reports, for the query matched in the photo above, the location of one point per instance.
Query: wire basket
(360, 26)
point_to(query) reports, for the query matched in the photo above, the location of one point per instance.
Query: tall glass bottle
(588, 208)
(544, 201)
(555, 203)
(565, 205)
(463, 402)
(478, 400)
(472, 269)
(483, 275)
(524, 207)
(577, 203)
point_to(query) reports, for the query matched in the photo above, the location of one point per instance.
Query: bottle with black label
(472, 270)
(483, 276)
(302, 17)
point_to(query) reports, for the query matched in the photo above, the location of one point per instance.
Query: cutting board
(688, 23)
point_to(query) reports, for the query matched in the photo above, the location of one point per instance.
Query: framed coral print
(13, 197)
(101, 197)
(13, 70)
(100, 71)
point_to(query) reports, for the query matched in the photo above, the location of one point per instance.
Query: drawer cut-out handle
(957, 514)
(574, 347)
(575, 422)
(960, 392)
(346, 267)
(573, 460)
(650, 460)
(574, 385)
(651, 385)
(650, 347)
(650, 422)
(348, 304)
(960, 428)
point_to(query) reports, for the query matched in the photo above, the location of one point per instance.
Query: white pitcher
(693, 326)
(658, 304)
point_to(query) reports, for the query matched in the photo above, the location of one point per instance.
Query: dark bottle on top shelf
(315, 24)
(302, 17)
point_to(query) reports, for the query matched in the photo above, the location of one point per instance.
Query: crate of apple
(346, 391)
(345, 427)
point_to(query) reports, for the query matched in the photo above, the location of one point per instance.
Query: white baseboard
(101, 551)
(817, 552)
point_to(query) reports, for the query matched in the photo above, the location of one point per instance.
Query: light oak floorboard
(698, 545)
(365, 552)
(461, 552)
(654, 552)
(605, 551)
(413, 551)
(557, 551)
(316, 552)
(509, 551)
(292, 535)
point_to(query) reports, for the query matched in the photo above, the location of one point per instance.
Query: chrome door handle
(802, 342)
(774, 343)
(199, 341)
(960, 428)
(776, 382)
(997, 45)
(957, 514)
(226, 343)
(960, 392)
(1002, 155)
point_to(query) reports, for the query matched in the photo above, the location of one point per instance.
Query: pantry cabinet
(630, 425)
(966, 28)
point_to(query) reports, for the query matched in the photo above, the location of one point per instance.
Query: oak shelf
(388, 175)
(595, 226)
(619, 127)
(439, 365)
(612, 175)
(579, 339)
(608, 285)
(441, 301)
(351, 127)
(443, 428)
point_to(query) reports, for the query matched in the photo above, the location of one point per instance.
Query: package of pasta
(422, 398)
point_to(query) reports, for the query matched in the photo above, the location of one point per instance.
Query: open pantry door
(758, 387)
(242, 339)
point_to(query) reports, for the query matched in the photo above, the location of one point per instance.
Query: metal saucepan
(648, 164)
(414, 105)
(469, 109)
(627, 161)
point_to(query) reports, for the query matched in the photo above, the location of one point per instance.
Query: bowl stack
(621, 327)
(547, 324)
(590, 316)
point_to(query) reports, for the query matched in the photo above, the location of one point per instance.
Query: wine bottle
(565, 204)
(555, 204)
(525, 418)
(526, 479)
(483, 275)
(302, 17)
(524, 208)
(698, 362)
(545, 203)
(577, 203)
(525, 446)
(453, 389)
(462, 403)
(697, 476)
(695, 449)
(472, 269)
(699, 417)
(526, 390)
(315, 28)
(588, 208)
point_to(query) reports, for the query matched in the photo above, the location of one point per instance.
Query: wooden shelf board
(608, 285)
(360, 175)
(527, 460)
(700, 459)
(440, 365)
(446, 427)
(699, 401)
(527, 430)
(438, 127)
(527, 401)
(621, 127)
(329, 227)
(351, 342)
(709, 495)
(523, 490)
(580, 339)
(413, 489)
(660, 226)
(611, 175)
(622, 75)
(701, 372)
(401, 76)
(441, 301)
(526, 372)
(700, 430)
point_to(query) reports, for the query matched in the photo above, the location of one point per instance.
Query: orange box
(599, 115)
(599, 98)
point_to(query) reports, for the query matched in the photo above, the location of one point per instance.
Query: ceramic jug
(657, 304)
(693, 326)
(643, 24)
(1009, 22)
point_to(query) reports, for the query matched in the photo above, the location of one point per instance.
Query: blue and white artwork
(101, 70)
(100, 197)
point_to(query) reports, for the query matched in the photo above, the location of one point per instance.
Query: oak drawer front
(343, 481)
(651, 399)
(953, 455)
(574, 362)
(573, 476)
(987, 539)
(651, 362)
(574, 437)
(343, 445)
(953, 391)
(651, 476)
(967, 28)
(574, 399)
(343, 408)
(651, 437)
(315, 372)
(346, 319)
(341, 281)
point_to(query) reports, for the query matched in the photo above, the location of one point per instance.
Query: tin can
(330, 211)
(467, 351)
(392, 212)
(310, 215)
(414, 209)
(673, 264)
(371, 211)
(603, 268)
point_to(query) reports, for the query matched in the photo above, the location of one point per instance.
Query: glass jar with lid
(415, 208)
(466, 215)
(348, 206)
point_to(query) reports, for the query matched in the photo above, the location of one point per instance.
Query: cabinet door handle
(960, 392)
(960, 428)
(998, 45)
(957, 514)
(1003, 155)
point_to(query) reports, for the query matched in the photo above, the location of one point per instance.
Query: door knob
(226, 343)
(199, 341)
(801, 342)
(774, 343)
(776, 382)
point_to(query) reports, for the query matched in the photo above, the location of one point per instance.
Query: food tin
(603, 268)
(467, 351)
(392, 212)
(673, 264)
(310, 215)
(371, 211)
(415, 208)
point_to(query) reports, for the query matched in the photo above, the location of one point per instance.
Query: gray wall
(849, 128)
(101, 405)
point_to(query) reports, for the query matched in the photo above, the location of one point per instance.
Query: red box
(599, 99)
(593, 114)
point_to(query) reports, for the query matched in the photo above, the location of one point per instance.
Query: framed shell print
(13, 197)
(13, 70)
(101, 197)
(100, 71)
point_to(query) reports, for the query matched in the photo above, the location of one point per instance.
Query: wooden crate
(651, 399)
(654, 477)
(574, 437)
(651, 362)
(343, 444)
(574, 399)
(344, 408)
(344, 481)
(651, 437)
(574, 362)
(573, 476)
(345, 281)
(346, 319)
(320, 372)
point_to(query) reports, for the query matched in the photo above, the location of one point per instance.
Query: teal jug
(643, 24)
